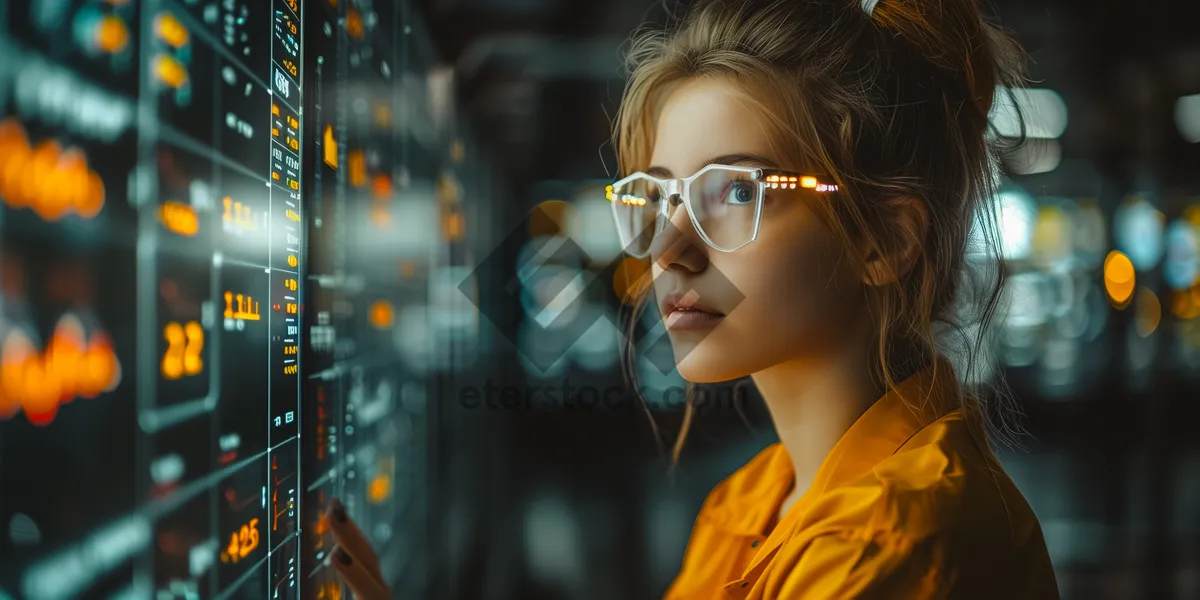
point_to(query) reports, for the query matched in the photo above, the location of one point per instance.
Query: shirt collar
(914, 403)
(751, 498)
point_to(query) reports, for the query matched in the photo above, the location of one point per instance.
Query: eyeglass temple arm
(774, 178)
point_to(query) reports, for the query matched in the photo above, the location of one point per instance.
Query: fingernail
(339, 512)
(343, 557)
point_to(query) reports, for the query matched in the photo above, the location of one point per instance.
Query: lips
(689, 301)
(682, 311)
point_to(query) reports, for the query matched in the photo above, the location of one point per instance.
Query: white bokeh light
(591, 226)
(1017, 214)
(1138, 232)
(1044, 110)
(1187, 117)
(1182, 264)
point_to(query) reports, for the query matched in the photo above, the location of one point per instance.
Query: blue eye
(740, 193)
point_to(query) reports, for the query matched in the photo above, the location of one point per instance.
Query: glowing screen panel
(158, 163)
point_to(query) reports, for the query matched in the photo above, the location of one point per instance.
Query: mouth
(684, 312)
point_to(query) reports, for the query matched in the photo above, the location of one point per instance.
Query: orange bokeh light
(380, 488)
(453, 226)
(383, 115)
(381, 187)
(180, 218)
(358, 168)
(112, 35)
(382, 315)
(1119, 278)
(1185, 304)
(631, 279)
(354, 24)
(170, 30)
(48, 179)
(170, 71)
(380, 217)
(71, 366)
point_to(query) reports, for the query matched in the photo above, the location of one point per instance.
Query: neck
(813, 401)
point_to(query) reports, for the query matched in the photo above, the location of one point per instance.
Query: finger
(350, 537)
(362, 584)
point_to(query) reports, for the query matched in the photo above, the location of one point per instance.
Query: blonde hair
(892, 104)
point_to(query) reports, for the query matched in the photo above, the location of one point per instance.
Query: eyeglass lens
(723, 203)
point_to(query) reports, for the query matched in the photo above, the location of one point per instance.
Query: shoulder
(926, 517)
(936, 482)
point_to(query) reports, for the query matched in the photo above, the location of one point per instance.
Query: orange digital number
(290, 284)
(184, 343)
(195, 343)
(241, 542)
(291, 308)
(292, 261)
(290, 370)
(237, 214)
(245, 308)
(290, 349)
(293, 215)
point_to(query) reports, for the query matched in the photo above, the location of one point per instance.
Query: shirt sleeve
(844, 565)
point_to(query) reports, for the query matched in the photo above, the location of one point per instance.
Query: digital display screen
(181, 391)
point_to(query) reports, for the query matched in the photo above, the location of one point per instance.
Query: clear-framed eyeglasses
(724, 203)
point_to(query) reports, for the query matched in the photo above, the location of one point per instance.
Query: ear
(901, 242)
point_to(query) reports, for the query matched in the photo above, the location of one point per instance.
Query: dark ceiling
(539, 79)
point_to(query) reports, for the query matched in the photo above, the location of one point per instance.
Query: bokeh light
(1119, 278)
(599, 348)
(1016, 213)
(1148, 312)
(1138, 232)
(550, 218)
(1090, 235)
(1181, 266)
(1044, 110)
(631, 279)
(1052, 241)
(1185, 304)
(1187, 117)
(591, 225)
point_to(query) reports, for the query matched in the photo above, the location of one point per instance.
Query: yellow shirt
(906, 505)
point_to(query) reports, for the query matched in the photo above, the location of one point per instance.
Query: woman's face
(790, 295)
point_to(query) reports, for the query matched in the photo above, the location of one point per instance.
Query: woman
(803, 176)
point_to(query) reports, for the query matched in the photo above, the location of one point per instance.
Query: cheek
(796, 281)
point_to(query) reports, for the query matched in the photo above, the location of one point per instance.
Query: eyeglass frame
(681, 187)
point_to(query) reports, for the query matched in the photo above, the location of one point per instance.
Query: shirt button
(754, 544)
(745, 583)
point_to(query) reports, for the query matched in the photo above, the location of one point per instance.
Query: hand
(354, 558)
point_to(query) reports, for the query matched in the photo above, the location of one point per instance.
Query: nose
(678, 244)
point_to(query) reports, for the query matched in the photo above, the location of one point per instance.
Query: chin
(705, 361)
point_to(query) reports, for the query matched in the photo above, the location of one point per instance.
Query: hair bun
(954, 36)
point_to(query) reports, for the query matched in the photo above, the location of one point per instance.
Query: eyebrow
(743, 159)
